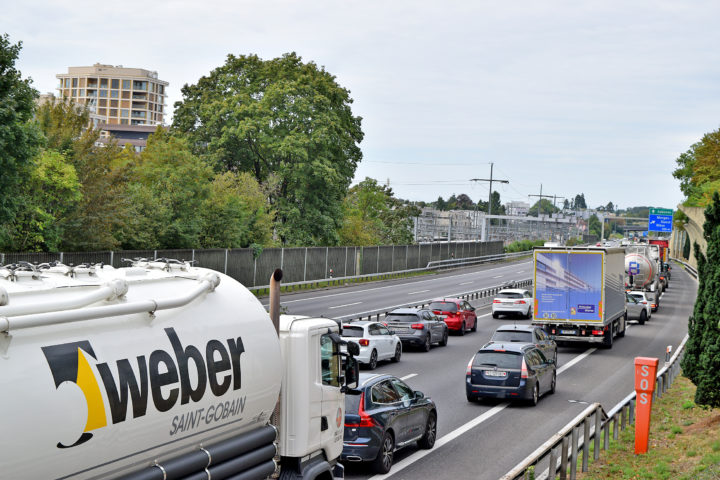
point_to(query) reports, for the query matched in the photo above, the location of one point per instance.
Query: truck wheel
(428, 439)
(608, 337)
(643, 317)
(373, 360)
(621, 333)
(384, 460)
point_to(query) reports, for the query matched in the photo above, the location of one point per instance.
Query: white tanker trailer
(642, 268)
(162, 371)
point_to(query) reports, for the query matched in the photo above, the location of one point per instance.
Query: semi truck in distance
(578, 293)
(162, 370)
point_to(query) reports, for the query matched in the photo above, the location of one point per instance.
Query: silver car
(644, 299)
(635, 310)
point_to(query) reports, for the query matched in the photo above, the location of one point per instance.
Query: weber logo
(217, 367)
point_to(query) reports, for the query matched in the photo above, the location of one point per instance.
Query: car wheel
(553, 383)
(461, 332)
(496, 315)
(443, 342)
(470, 398)
(528, 314)
(535, 395)
(643, 317)
(398, 353)
(426, 345)
(428, 440)
(384, 460)
(373, 360)
(474, 327)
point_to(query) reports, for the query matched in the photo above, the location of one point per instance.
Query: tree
(594, 225)
(579, 202)
(278, 117)
(702, 352)
(566, 204)
(441, 204)
(686, 248)
(464, 202)
(19, 137)
(542, 206)
(610, 207)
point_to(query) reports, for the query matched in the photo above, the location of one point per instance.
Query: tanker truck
(162, 370)
(641, 269)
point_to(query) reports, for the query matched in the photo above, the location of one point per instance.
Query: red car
(458, 314)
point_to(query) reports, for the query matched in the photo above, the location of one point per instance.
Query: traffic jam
(580, 295)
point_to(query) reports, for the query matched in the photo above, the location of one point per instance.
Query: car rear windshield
(512, 336)
(444, 306)
(352, 404)
(349, 331)
(402, 317)
(497, 359)
(637, 296)
(509, 295)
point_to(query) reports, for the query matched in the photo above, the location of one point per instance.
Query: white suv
(514, 301)
(644, 298)
(376, 342)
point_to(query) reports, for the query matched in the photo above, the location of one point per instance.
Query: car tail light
(469, 367)
(519, 302)
(523, 369)
(417, 326)
(364, 342)
(496, 301)
(644, 303)
(597, 332)
(365, 419)
(653, 305)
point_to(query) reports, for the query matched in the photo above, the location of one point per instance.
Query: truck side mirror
(353, 349)
(352, 372)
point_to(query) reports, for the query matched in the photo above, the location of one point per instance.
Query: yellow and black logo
(218, 367)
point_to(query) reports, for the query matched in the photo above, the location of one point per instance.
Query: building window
(81, 92)
(103, 93)
(114, 93)
(74, 92)
(113, 112)
(102, 111)
(125, 94)
(74, 82)
(125, 113)
(103, 102)
(114, 103)
(124, 121)
(103, 83)
(126, 84)
(115, 83)
(161, 89)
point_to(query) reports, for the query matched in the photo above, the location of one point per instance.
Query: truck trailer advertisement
(568, 286)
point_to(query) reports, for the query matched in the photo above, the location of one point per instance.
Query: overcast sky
(593, 97)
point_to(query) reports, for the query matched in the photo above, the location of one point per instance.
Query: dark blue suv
(386, 416)
(511, 371)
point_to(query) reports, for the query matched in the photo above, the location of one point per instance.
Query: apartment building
(116, 95)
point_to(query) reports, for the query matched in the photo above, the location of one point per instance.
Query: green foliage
(699, 170)
(702, 355)
(279, 117)
(523, 245)
(19, 137)
(578, 202)
(373, 216)
(574, 241)
(62, 122)
(543, 206)
(686, 248)
(594, 225)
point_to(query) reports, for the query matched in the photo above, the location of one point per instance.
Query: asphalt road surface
(485, 440)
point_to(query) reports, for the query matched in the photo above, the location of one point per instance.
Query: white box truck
(579, 294)
(162, 371)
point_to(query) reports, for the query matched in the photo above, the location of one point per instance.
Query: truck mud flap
(245, 457)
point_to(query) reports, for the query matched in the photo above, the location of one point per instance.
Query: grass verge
(684, 443)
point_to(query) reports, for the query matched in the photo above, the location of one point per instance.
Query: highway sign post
(660, 220)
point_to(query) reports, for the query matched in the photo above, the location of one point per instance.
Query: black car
(417, 327)
(511, 371)
(386, 416)
(527, 334)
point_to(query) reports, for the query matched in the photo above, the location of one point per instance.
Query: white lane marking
(498, 276)
(408, 376)
(482, 272)
(481, 316)
(346, 305)
(465, 428)
(521, 271)
(419, 291)
(465, 283)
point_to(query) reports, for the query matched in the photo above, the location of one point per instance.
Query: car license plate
(493, 373)
(400, 330)
(567, 332)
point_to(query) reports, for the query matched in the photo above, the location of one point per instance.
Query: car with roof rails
(645, 299)
(384, 417)
(457, 313)
(635, 310)
(527, 334)
(510, 371)
(376, 342)
(512, 301)
(417, 327)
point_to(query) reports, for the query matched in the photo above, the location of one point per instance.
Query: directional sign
(660, 220)
(661, 211)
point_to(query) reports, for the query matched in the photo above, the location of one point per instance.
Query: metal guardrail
(690, 269)
(545, 463)
(486, 295)
(431, 266)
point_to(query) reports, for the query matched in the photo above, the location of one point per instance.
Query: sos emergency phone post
(645, 371)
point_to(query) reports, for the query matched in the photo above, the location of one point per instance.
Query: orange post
(645, 370)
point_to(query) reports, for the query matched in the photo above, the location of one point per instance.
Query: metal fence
(298, 264)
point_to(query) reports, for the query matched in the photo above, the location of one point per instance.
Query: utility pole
(555, 198)
(540, 199)
(491, 180)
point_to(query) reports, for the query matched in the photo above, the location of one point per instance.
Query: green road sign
(661, 211)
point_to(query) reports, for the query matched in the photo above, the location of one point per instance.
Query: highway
(485, 440)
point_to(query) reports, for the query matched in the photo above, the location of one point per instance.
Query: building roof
(127, 128)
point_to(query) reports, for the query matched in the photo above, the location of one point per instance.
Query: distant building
(116, 95)
(518, 209)
(135, 135)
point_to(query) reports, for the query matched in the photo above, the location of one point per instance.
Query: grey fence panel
(32, 257)
(386, 259)
(76, 258)
(399, 257)
(351, 262)
(413, 257)
(335, 261)
(293, 265)
(316, 263)
(369, 260)
(130, 255)
(211, 258)
(241, 267)
(425, 255)
(269, 260)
